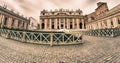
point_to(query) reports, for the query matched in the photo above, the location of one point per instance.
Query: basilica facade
(62, 19)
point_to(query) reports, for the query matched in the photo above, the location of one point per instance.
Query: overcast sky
(33, 7)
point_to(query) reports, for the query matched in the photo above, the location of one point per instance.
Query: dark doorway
(43, 25)
(61, 26)
(57, 27)
(52, 26)
(80, 25)
(71, 26)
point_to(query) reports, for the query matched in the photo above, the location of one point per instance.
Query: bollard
(23, 39)
(51, 39)
(8, 34)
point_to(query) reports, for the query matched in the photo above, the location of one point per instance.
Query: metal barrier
(51, 38)
(111, 32)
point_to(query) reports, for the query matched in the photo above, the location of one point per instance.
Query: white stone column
(60, 23)
(16, 23)
(2, 20)
(83, 24)
(68, 23)
(9, 22)
(78, 21)
(50, 24)
(64, 23)
(55, 25)
(73, 24)
(40, 22)
(45, 22)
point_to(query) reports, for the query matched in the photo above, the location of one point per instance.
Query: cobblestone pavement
(94, 50)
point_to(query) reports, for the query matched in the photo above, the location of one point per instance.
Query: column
(77, 23)
(68, 23)
(115, 22)
(55, 23)
(73, 24)
(64, 23)
(16, 23)
(83, 24)
(50, 24)
(40, 24)
(45, 24)
(9, 22)
(60, 23)
(2, 20)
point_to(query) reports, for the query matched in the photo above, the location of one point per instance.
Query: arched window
(61, 26)
(5, 21)
(52, 26)
(57, 27)
(43, 25)
(111, 22)
(80, 25)
(70, 26)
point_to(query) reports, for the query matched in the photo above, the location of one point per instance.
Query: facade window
(19, 23)
(38, 26)
(13, 22)
(70, 12)
(43, 25)
(61, 26)
(43, 13)
(111, 22)
(42, 20)
(52, 26)
(52, 21)
(70, 26)
(118, 21)
(80, 25)
(26, 25)
(5, 21)
(53, 13)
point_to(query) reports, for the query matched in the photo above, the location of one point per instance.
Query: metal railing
(111, 32)
(51, 38)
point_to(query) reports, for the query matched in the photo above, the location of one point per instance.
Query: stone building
(33, 24)
(103, 17)
(10, 19)
(62, 19)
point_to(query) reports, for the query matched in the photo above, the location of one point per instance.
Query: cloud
(33, 7)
